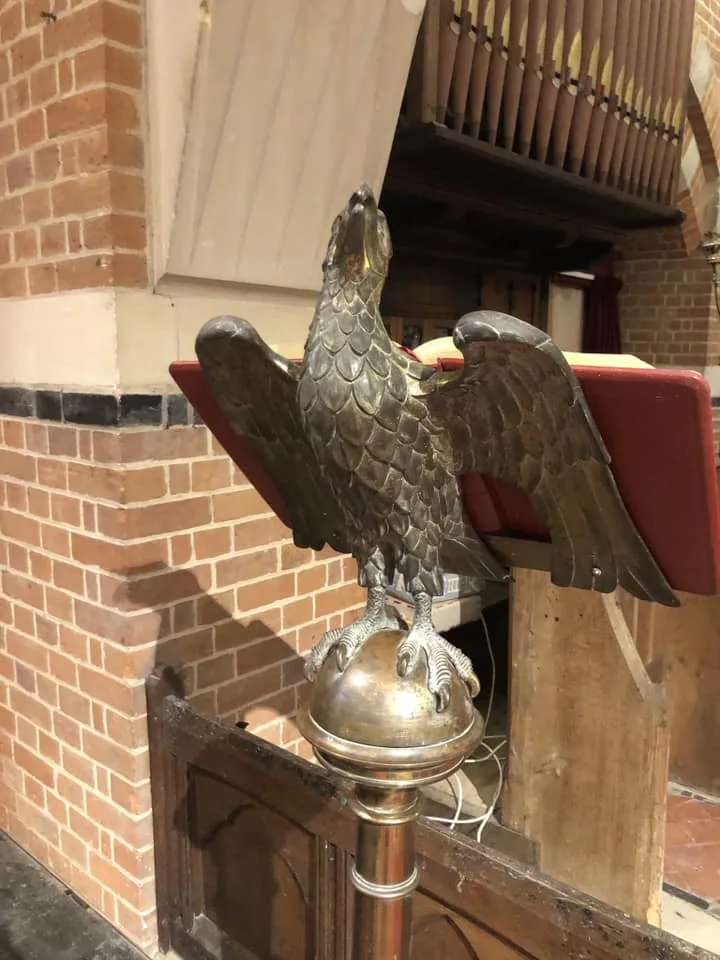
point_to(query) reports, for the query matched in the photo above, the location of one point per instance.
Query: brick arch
(699, 178)
(698, 124)
(691, 228)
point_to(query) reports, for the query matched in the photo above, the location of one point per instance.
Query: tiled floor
(42, 920)
(690, 923)
(692, 852)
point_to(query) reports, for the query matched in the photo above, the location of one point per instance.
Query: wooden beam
(531, 554)
(424, 185)
(589, 743)
(553, 187)
(169, 821)
(686, 641)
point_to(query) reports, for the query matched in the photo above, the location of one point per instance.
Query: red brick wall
(72, 195)
(122, 549)
(707, 18)
(667, 309)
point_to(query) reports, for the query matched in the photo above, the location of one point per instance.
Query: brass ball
(369, 703)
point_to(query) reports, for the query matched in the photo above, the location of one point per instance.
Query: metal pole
(383, 732)
(384, 875)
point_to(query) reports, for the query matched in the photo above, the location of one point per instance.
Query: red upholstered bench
(657, 425)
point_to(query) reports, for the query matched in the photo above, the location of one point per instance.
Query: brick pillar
(126, 538)
(72, 198)
(123, 548)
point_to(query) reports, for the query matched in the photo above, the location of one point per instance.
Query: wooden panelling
(424, 300)
(253, 854)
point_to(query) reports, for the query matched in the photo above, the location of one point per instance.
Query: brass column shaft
(385, 874)
(384, 733)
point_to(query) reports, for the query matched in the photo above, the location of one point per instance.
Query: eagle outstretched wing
(256, 389)
(516, 413)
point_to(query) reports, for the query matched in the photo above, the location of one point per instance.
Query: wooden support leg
(588, 758)
(688, 638)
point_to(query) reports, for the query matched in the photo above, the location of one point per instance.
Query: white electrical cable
(489, 754)
(496, 797)
(458, 808)
(456, 819)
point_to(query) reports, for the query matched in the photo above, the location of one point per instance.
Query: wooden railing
(254, 846)
(594, 87)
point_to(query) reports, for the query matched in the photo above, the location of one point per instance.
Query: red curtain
(601, 323)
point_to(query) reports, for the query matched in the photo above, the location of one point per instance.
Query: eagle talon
(320, 652)
(343, 655)
(346, 642)
(443, 697)
(441, 657)
(403, 665)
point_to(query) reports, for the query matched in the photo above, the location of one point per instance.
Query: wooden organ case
(534, 134)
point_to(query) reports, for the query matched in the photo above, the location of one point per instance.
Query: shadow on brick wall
(243, 671)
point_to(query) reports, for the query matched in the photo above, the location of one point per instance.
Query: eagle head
(359, 250)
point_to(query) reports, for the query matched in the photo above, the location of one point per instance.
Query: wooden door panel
(438, 931)
(495, 293)
(424, 301)
(523, 298)
(256, 872)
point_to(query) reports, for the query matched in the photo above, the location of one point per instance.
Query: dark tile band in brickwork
(99, 409)
(106, 410)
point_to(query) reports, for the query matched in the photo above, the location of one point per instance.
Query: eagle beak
(359, 227)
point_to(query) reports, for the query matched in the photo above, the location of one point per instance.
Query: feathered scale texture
(386, 460)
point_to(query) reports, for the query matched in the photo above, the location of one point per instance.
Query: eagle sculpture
(366, 446)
